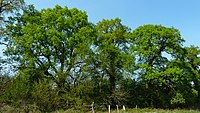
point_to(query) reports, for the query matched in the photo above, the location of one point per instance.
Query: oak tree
(52, 43)
(113, 52)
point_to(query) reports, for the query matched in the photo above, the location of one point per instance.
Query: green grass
(160, 111)
(146, 110)
(9, 109)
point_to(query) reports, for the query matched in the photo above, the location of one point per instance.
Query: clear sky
(181, 14)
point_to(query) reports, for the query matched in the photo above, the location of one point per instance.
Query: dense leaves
(62, 61)
(54, 42)
(112, 52)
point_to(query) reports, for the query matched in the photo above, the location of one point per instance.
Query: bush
(177, 100)
(18, 91)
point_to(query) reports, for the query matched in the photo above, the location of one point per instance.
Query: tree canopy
(10, 5)
(54, 42)
(63, 61)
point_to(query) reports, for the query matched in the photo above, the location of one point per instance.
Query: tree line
(60, 60)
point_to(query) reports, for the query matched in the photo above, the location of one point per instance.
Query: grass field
(137, 111)
(8, 109)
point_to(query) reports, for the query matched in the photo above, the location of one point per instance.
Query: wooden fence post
(92, 107)
(117, 109)
(124, 108)
(109, 109)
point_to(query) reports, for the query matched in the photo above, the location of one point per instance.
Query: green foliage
(54, 41)
(152, 45)
(64, 62)
(18, 91)
(45, 97)
(112, 51)
(6, 7)
(177, 99)
(10, 5)
(4, 83)
(152, 41)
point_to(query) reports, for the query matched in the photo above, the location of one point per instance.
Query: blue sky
(181, 14)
